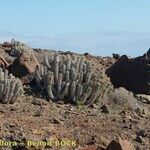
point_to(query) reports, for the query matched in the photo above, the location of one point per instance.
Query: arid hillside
(55, 100)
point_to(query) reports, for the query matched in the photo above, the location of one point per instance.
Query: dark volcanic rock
(133, 74)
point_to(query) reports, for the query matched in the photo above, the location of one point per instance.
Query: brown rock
(23, 65)
(29, 61)
(120, 144)
(3, 63)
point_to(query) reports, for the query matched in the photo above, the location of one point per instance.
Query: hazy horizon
(97, 27)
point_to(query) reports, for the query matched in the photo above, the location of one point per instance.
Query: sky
(99, 27)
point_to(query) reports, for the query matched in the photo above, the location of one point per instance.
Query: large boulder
(133, 74)
(23, 65)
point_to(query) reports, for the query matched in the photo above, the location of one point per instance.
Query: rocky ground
(122, 122)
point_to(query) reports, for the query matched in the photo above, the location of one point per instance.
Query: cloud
(100, 43)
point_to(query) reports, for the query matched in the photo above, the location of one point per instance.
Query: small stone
(139, 139)
(91, 141)
(94, 106)
(60, 102)
(71, 108)
(125, 127)
(143, 133)
(57, 121)
(104, 109)
(124, 121)
(37, 113)
(129, 117)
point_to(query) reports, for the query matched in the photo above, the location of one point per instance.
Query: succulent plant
(10, 87)
(17, 48)
(69, 79)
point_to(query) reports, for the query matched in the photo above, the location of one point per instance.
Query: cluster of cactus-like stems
(10, 87)
(68, 79)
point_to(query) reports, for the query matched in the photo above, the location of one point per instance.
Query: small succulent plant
(10, 87)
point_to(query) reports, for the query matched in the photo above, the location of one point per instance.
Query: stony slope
(121, 114)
